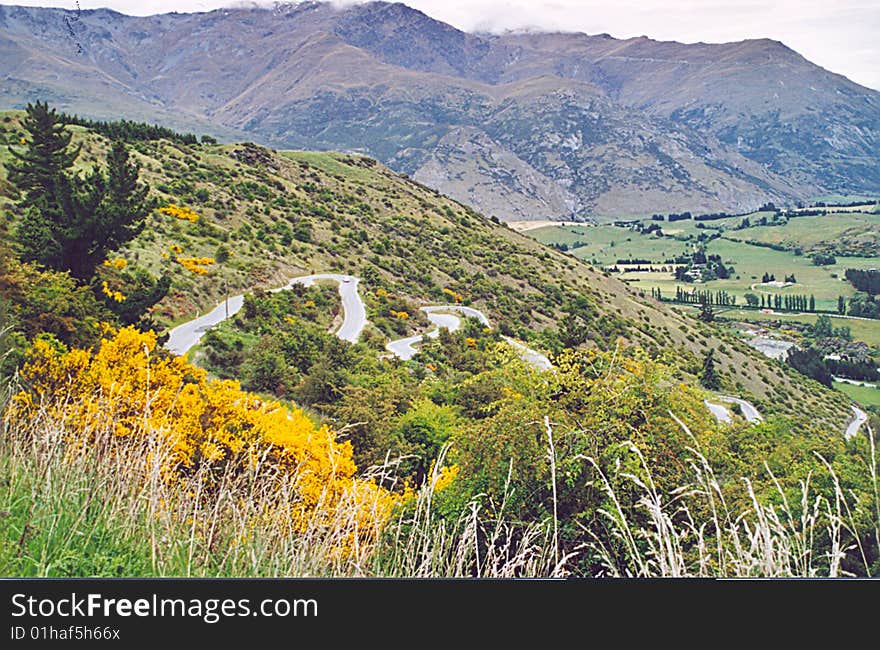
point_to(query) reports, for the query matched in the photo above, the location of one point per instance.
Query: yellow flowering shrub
(196, 264)
(400, 315)
(179, 212)
(137, 394)
(119, 264)
(457, 297)
(446, 477)
(118, 296)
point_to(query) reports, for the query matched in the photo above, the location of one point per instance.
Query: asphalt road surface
(405, 348)
(183, 337)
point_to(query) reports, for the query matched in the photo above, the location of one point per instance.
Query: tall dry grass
(804, 539)
(102, 510)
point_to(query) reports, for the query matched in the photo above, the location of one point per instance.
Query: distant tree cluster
(771, 277)
(706, 297)
(864, 305)
(714, 216)
(864, 280)
(810, 362)
(710, 268)
(824, 328)
(129, 131)
(824, 259)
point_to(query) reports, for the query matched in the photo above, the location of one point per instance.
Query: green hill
(280, 448)
(265, 216)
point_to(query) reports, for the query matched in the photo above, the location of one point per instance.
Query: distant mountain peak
(520, 123)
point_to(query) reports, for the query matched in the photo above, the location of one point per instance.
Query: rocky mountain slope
(519, 125)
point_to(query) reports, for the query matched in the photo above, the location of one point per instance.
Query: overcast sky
(840, 35)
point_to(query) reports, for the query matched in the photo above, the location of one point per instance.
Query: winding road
(722, 414)
(860, 417)
(183, 337)
(750, 413)
(405, 348)
(355, 314)
(438, 315)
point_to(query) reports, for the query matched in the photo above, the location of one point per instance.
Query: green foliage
(425, 427)
(142, 291)
(128, 131)
(71, 222)
(824, 328)
(810, 362)
(864, 305)
(709, 377)
(39, 302)
(707, 315)
(40, 171)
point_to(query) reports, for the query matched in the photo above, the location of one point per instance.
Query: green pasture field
(812, 230)
(751, 262)
(864, 395)
(862, 330)
(330, 163)
(605, 244)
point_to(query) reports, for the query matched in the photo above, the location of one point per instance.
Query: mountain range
(519, 125)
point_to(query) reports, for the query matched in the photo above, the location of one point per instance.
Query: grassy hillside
(265, 216)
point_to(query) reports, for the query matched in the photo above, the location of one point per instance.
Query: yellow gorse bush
(457, 297)
(201, 425)
(119, 263)
(445, 477)
(196, 264)
(118, 296)
(180, 212)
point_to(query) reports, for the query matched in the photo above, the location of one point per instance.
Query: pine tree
(70, 222)
(41, 175)
(709, 377)
(41, 171)
(706, 314)
(110, 213)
